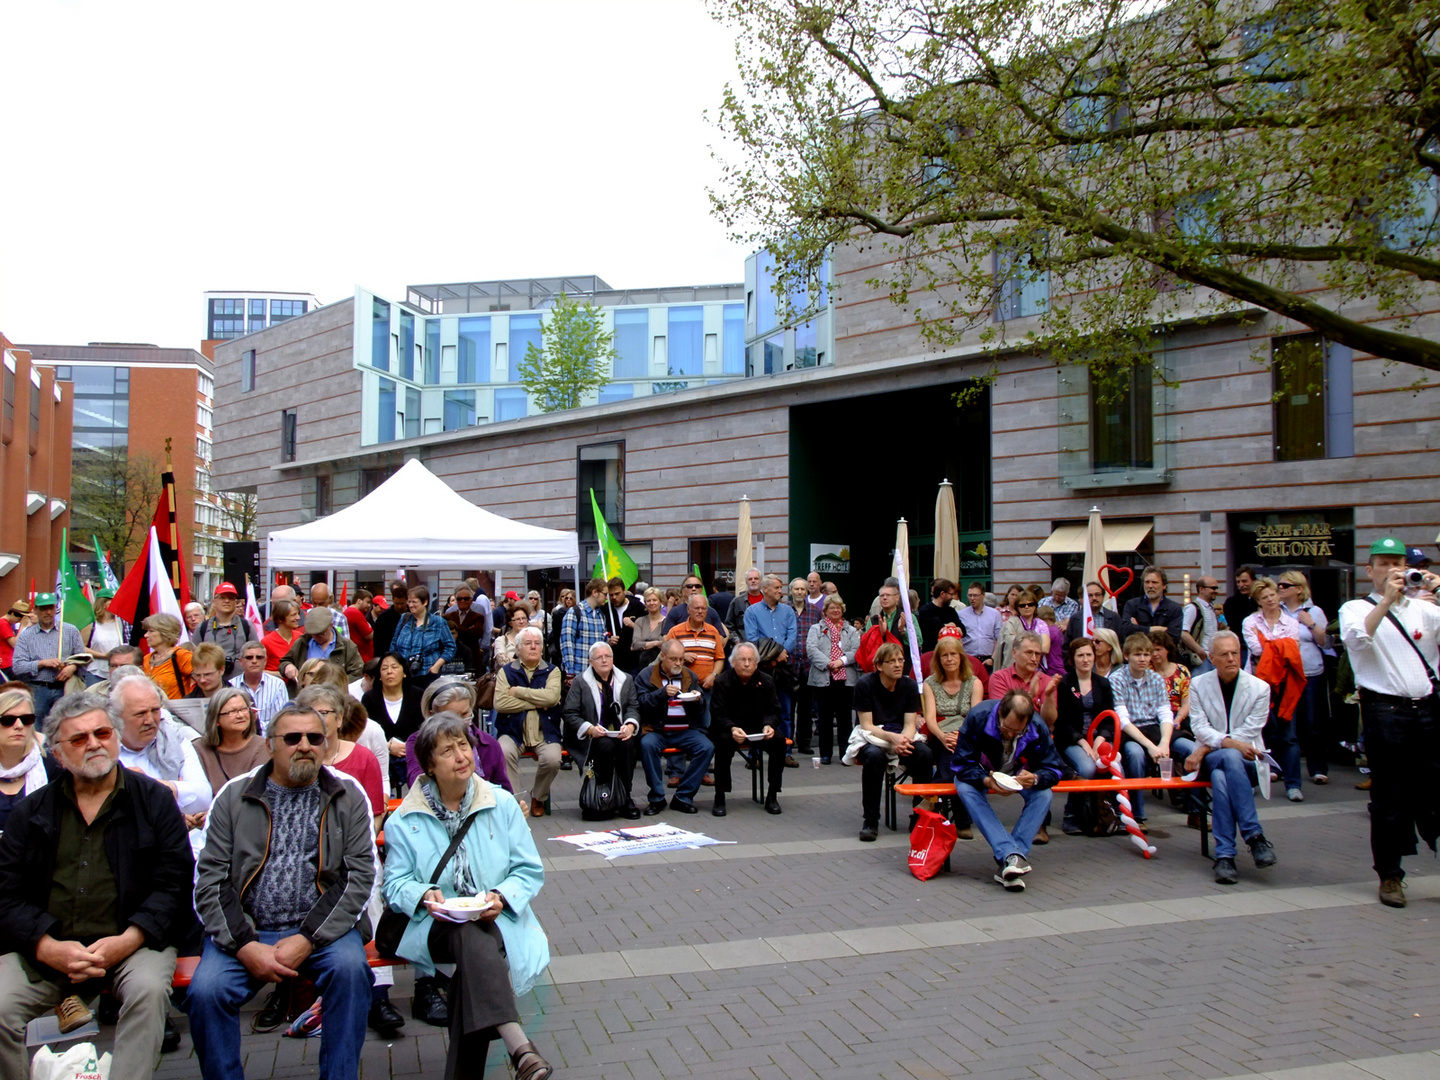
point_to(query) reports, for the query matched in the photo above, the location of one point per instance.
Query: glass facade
(432, 352)
(407, 345)
(473, 356)
(380, 336)
(102, 406)
(765, 316)
(733, 348)
(459, 409)
(511, 404)
(616, 392)
(386, 430)
(227, 320)
(524, 332)
(412, 412)
(632, 342)
(257, 315)
(806, 351)
(280, 310)
(687, 341)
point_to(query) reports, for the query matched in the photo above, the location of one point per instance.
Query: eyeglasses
(28, 719)
(693, 585)
(292, 738)
(102, 735)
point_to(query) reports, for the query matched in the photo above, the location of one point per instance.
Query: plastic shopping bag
(78, 1061)
(931, 842)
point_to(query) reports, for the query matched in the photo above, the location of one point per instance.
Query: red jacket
(1280, 666)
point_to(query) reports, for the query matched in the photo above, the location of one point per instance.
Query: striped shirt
(269, 699)
(706, 642)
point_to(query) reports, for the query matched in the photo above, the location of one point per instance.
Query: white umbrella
(743, 558)
(902, 545)
(947, 534)
(1095, 558)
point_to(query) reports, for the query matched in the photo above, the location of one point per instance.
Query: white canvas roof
(415, 520)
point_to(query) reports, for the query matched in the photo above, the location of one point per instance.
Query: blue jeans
(692, 743)
(1232, 798)
(1284, 746)
(1002, 843)
(46, 694)
(222, 985)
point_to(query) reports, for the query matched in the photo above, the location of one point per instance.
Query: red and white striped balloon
(1110, 759)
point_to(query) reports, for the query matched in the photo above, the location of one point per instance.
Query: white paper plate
(469, 908)
(1006, 781)
(689, 695)
(759, 736)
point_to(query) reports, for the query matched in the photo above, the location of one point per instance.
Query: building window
(766, 318)
(807, 353)
(280, 310)
(380, 335)
(257, 315)
(227, 319)
(370, 479)
(405, 349)
(733, 344)
(1314, 400)
(774, 354)
(715, 556)
(616, 392)
(9, 400)
(474, 356)
(686, 354)
(1122, 423)
(385, 431)
(600, 467)
(322, 496)
(1024, 291)
(459, 409)
(524, 332)
(632, 342)
(511, 404)
(432, 352)
(287, 435)
(247, 371)
(412, 412)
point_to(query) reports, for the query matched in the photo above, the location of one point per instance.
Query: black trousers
(610, 753)
(833, 703)
(725, 747)
(1402, 741)
(804, 699)
(480, 995)
(919, 765)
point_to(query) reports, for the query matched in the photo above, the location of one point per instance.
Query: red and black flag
(133, 601)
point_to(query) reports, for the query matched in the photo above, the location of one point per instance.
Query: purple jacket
(489, 760)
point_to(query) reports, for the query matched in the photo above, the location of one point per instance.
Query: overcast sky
(151, 152)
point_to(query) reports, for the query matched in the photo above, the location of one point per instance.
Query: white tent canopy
(414, 520)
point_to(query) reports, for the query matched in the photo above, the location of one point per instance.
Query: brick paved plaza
(800, 952)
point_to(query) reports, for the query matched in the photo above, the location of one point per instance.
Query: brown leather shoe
(1392, 892)
(529, 1065)
(1043, 836)
(1192, 820)
(1363, 785)
(539, 807)
(72, 1013)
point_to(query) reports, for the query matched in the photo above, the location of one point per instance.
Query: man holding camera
(1393, 640)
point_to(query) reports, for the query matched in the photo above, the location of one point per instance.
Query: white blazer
(1249, 710)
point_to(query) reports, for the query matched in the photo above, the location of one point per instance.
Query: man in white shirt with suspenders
(1394, 647)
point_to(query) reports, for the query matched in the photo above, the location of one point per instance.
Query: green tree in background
(577, 358)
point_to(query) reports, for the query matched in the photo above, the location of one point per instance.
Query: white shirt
(192, 787)
(1384, 663)
(270, 698)
(1310, 653)
(1256, 631)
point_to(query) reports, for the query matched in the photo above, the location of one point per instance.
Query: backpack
(1096, 815)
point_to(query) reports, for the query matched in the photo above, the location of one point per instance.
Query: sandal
(535, 1067)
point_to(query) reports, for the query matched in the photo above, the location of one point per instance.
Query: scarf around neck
(462, 880)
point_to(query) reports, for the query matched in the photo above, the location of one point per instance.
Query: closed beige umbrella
(1095, 558)
(902, 545)
(947, 534)
(744, 559)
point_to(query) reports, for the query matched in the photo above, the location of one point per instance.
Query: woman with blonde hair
(1312, 718)
(24, 765)
(167, 664)
(946, 696)
(1107, 648)
(648, 631)
(1271, 623)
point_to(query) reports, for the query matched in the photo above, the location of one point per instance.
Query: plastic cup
(523, 798)
(815, 761)
(1167, 768)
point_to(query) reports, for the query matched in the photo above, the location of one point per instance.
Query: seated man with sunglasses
(278, 899)
(95, 878)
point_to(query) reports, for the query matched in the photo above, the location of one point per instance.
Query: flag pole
(60, 649)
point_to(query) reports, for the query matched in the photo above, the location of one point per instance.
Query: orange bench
(1091, 787)
(185, 966)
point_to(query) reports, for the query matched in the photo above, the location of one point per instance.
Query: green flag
(695, 572)
(74, 608)
(614, 560)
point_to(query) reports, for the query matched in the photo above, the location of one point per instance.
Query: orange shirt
(705, 641)
(164, 673)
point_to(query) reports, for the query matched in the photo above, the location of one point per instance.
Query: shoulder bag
(392, 925)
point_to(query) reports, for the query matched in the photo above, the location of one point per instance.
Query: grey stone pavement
(799, 952)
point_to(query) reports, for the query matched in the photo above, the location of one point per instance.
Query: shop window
(600, 467)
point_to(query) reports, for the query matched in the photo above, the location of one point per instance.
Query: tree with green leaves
(112, 497)
(578, 356)
(1152, 164)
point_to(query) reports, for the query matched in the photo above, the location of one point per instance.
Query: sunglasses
(102, 735)
(292, 738)
(28, 719)
(1027, 603)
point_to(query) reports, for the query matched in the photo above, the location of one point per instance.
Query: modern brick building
(34, 474)
(129, 400)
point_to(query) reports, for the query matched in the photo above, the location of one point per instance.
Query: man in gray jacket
(280, 886)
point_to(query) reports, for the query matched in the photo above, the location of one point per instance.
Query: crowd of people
(247, 835)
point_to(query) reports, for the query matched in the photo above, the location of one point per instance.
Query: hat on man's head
(45, 599)
(21, 607)
(105, 594)
(317, 620)
(512, 596)
(226, 589)
(1415, 557)
(1388, 546)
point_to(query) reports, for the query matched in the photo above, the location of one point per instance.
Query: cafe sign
(1302, 541)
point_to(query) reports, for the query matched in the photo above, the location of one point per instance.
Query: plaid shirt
(1068, 610)
(1145, 701)
(807, 616)
(575, 640)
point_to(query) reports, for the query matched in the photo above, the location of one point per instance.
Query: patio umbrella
(743, 557)
(1095, 558)
(902, 545)
(947, 534)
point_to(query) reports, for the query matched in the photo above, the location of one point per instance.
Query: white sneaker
(1011, 884)
(1295, 795)
(1015, 867)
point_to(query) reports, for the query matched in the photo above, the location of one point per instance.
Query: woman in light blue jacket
(497, 956)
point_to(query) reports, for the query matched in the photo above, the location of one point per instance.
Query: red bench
(185, 965)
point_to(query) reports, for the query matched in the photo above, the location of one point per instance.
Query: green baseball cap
(44, 599)
(1385, 546)
(105, 594)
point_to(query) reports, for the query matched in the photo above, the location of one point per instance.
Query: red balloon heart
(1104, 577)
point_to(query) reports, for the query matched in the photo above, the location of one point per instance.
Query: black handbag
(601, 792)
(392, 925)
